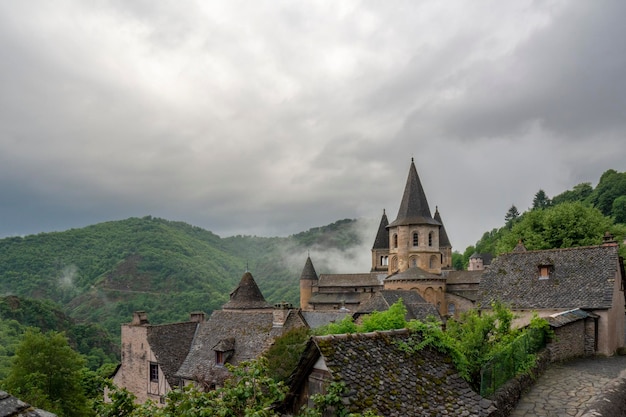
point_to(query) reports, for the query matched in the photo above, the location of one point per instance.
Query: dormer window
(545, 271)
(219, 357)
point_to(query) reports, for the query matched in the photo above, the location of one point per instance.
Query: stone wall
(568, 342)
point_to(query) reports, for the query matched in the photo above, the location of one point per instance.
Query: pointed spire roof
(382, 236)
(308, 273)
(414, 206)
(246, 296)
(444, 241)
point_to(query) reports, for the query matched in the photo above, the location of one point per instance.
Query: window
(430, 239)
(545, 271)
(416, 239)
(395, 241)
(384, 260)
(413, 261)
(154, 372)
(219, 357)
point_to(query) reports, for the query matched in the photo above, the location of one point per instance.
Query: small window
(154, 372)
(413, 262)
(219, 357)
(430, 239)
(545, 271)
(416, 239)
(384, 260)
(395, 241)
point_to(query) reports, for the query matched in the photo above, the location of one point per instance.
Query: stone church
(413, 252)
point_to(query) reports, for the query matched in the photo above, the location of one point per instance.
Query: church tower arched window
(430, 239)
(416, 239)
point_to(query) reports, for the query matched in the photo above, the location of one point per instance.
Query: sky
(268, 118)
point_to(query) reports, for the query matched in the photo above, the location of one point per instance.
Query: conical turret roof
(444, 241)
(246, 296)
(414, 206)
(308, 272)
(382, 236)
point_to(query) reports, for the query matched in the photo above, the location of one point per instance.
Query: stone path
(572, 388)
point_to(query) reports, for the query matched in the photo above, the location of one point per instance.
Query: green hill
(102, 273)
(17, 314)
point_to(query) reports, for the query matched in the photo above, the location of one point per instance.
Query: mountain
(104, 272)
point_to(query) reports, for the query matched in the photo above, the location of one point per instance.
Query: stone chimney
(197, 316)
(140, 318)
(281, 312)
(608, 239)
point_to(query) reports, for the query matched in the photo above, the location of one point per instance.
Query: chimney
(281, 312)
(197, 316)
(608, 239)
(140, 318)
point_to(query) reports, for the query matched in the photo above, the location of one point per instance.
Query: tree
(47, 373)
(580, 192)
(541, 200)
(511, 215)
(611, 186)
(619, 209)
(562, 226)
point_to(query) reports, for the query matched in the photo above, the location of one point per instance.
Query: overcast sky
(271, 117)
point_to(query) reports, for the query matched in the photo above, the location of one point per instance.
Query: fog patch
(327, 260)
(67, 277)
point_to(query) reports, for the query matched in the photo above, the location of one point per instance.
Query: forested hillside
(17, 314)
(577, 217)
(102, 273)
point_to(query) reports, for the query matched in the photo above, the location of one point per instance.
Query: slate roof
(381, 377)
(444, 240)
(366, 279)
(382, 235)
(463, 277)
(308, 272)
(170, 344)
(414, 206)
(414, 273)
(14, 407)
(246, 296)
(581, 277)
(417, 307)
(250, 333)
(567, 317)
(319, 318)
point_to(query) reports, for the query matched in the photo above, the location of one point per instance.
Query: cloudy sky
(270, 117)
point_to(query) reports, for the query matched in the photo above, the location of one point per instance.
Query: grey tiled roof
(382, 236)
(581, 277)
(308, 272)
(338, 297)
(366, 279)
(319, 318)
(381, 377)
(414, 206)
(417, 307)
(567, 317)
(14, 407)
(247, 295)
(170, 344)
(444, 240)
(251, 331)
(463, 277)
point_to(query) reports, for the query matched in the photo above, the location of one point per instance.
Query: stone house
(382, 377)
(416, 307)
(159, 358)
(579, 287)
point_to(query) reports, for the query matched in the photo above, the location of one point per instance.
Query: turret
(380, 249)
(445, 246)
(308, 281)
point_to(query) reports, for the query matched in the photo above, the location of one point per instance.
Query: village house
(159, 358)
(380, 376)
(583, 285)
(11, 406)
